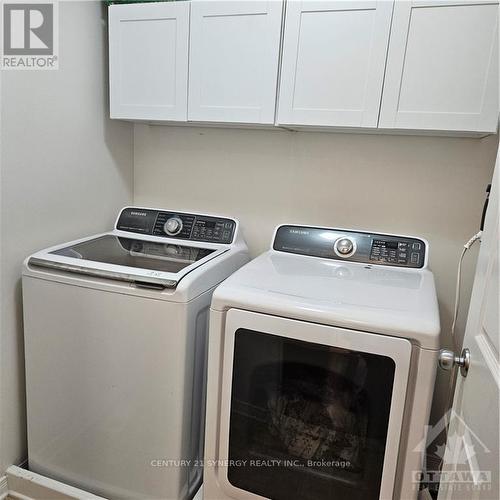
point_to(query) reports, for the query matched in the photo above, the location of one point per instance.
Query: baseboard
(4, 489)
(21, 484)
(25, 485)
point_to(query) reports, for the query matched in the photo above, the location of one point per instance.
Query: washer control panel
(177, 225)
(352, 246)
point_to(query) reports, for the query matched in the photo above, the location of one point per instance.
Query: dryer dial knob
(344, 247)
(173, 226)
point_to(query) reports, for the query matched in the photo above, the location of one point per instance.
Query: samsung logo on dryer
(140, 214)
(299, 231)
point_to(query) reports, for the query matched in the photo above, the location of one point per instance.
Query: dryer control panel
(351, 246)
(180, 225)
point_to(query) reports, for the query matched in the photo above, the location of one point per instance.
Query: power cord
(468, 245)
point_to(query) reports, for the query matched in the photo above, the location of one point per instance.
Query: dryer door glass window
(307, 421)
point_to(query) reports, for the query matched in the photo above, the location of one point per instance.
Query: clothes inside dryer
(310, 420)
(137, 253)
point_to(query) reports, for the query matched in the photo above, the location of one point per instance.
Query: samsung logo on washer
(299, 231)
(140, 214)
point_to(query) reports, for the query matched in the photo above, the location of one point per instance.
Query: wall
(424, 186)
(65, 171)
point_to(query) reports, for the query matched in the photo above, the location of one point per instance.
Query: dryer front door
(310, 411)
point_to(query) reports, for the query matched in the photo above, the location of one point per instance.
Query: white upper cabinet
(334, 55)
(234, 58)
(416, 65)
(148, 60)
(442, 67)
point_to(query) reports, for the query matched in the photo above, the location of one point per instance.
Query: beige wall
(65, 171)
(424, 186)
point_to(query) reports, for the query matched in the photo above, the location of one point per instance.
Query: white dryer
(322, 359)
(115, 332)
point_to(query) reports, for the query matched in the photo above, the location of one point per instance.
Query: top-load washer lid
(135, 253)
(127, 259)
(306, 276)
(147, 247)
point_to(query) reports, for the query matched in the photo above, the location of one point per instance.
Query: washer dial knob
(173, 226)
(344, 247)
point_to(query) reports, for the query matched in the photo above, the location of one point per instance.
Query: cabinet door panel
(442, 67)
(333, 62)
(148, 61)
(234, 54)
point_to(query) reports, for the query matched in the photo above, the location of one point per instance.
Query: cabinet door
(148, 61)
(333, 64)
(234, 53)
(442, 66)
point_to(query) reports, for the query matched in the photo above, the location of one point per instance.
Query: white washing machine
(115, 332)
(322, 359)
